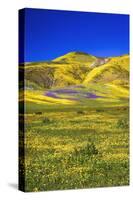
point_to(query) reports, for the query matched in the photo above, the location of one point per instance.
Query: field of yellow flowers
(74, 148)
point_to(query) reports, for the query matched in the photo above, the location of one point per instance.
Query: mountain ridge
(69, 54)
(90, 72)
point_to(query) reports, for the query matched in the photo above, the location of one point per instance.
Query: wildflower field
(76, 123)
(74, 148)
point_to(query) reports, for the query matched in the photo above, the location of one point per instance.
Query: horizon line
(50, 60)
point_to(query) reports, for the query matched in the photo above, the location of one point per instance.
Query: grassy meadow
(76, 127)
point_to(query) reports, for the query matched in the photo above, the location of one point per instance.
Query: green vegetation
(76, 123)
(64, 150)
(115, 69)
(76, 57)
(77, 69)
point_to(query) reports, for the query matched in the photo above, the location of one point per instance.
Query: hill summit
(75, 57)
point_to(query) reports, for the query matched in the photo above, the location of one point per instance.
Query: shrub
(46, 120)
(80, 112)
(122, 123)
(99, 110)
(90, 150)
(38, 113)
(82, 155)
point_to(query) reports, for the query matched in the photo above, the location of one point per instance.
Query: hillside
(76, 57)
(85, 75)
(70, 69)
(115, 71)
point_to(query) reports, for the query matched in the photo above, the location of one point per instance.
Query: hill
(102, 77)
(70, 69)
(76, 57)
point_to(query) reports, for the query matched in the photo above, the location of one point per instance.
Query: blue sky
(52, 33)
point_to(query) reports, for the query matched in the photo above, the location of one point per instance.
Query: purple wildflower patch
(92, 96)
(71, 94)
